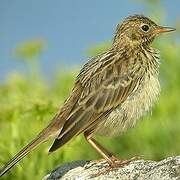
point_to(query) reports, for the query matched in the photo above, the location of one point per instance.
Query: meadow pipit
(112, 91)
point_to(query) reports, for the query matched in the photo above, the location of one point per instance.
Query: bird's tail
(26, 150)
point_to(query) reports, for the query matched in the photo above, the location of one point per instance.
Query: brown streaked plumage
(112, 91)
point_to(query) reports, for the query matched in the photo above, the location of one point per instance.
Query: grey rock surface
(167, 169)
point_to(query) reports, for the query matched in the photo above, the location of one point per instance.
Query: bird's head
(138, 30)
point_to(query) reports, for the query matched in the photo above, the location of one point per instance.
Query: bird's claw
(116, 163)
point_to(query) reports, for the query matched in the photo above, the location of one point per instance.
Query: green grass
(27, 105)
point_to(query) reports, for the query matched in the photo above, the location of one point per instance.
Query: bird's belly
(136, 105)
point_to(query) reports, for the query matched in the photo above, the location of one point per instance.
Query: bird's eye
(145, 27)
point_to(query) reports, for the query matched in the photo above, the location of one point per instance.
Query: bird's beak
(161, 29)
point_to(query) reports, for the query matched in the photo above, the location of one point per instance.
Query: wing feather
(104, 88)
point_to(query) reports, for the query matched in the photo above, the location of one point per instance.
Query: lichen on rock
(167, 169)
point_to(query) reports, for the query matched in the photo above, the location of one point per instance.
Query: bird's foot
(99, 160)
(116, 160)
(116, 163)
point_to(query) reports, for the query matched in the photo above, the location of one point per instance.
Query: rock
(167, 169)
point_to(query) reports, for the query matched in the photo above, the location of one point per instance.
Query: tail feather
(26, 150)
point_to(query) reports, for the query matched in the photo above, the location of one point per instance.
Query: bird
(111, 93)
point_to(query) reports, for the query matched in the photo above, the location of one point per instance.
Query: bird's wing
(106, 82)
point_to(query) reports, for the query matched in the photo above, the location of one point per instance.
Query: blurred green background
(28, 102)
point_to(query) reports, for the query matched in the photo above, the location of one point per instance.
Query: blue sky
(68, 26)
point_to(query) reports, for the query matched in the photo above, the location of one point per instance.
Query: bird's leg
(100, 149)
(112, 160)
